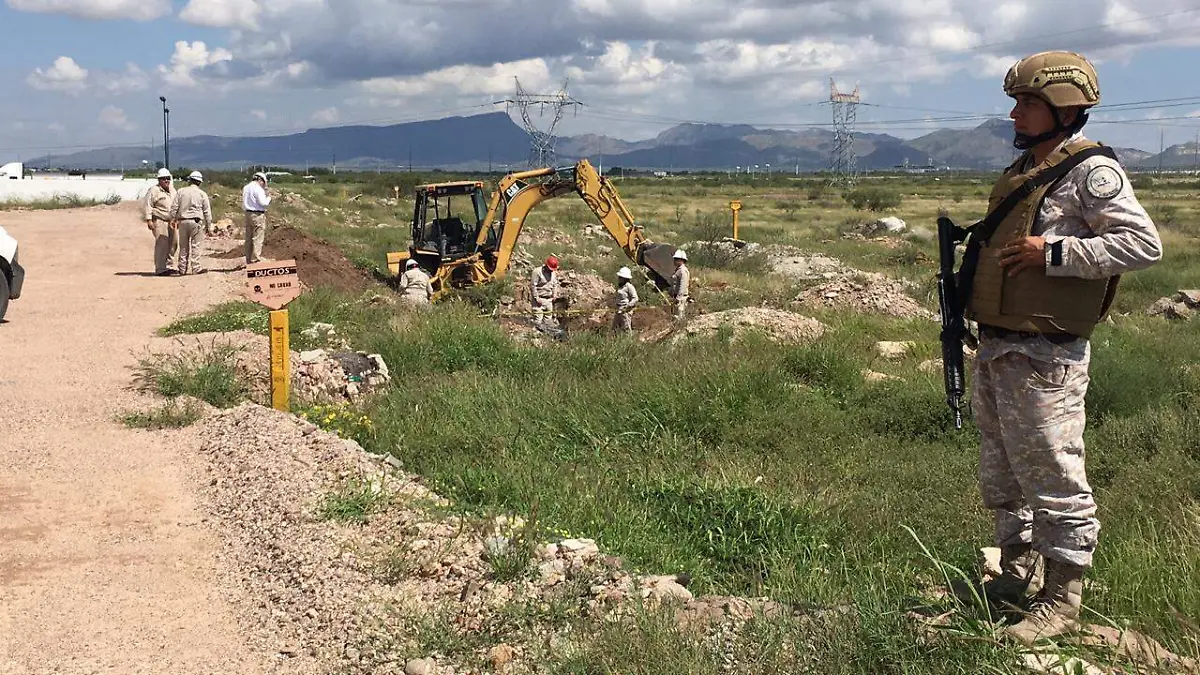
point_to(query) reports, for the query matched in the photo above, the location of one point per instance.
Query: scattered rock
(1183, 305)
(889, 225)
(338, 377)
(500, 656)
(420, 667)
(795, 265)
(664, 588)
(893, 351)
(1058, 664)
(225, 229)
(778, 325)
(323, 332)
(865, 292)
(874, 377)
(930, 366)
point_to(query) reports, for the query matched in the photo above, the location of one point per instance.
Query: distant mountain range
(494, 140)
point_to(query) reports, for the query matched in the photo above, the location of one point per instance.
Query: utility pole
(542, 151)
(166, 133)
(843, 164)
(1160, 150)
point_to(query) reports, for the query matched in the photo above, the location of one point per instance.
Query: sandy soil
(105, 563)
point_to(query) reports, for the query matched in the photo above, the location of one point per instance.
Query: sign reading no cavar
(272, 284)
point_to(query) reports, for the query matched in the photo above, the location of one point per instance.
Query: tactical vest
(1031, 300)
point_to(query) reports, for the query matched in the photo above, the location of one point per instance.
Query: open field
(762, 468)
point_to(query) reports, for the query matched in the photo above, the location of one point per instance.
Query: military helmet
(1062, 79)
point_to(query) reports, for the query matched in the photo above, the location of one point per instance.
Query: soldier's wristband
(1056, 253)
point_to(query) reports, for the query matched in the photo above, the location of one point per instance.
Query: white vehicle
(12, 276)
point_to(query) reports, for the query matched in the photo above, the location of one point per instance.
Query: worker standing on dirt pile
(414, 284)
(543, 288)
(679, 284)
(255, 201)
(1044, 278)
(191, 214)
(627, 300)
(156, 211)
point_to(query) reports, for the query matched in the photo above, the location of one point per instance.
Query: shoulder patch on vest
(1104, 182)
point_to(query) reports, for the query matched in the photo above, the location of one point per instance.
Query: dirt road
(105, 565)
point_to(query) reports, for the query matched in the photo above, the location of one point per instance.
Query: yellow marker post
(274, 284)
(735, 206)
(281, 370)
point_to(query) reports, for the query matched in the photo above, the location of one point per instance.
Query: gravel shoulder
(106, 564)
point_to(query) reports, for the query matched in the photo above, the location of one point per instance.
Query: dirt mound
(320, 263)
(865, 292)
(778, 325)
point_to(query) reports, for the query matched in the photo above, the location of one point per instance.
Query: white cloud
(138, 10)
(241, 14)
(493, 80)
(55, 127)
(131, 79)
(259, 114)
(326, 116)
(65, 75)
(114, 117)
(188, 59)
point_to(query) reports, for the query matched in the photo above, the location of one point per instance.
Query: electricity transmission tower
(541, 152)
(843, 164)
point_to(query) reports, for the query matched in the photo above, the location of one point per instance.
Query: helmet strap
(1025, 141)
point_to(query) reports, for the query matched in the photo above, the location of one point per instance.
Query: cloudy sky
(79, 73)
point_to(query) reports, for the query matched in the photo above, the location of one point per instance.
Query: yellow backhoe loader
(460, 238)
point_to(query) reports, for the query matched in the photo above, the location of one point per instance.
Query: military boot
(1056, 610)
(1021, 570)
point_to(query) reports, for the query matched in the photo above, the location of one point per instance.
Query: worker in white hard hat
(679, 284)
(414, 284)
(191, 215)
(255, 201)
(156, 211)
(626, 301)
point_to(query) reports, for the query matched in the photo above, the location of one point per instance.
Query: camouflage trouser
(1030, 415)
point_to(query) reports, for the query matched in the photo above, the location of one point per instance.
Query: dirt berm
(778, 325)
(319, 262)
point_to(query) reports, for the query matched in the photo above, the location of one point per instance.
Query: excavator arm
(509, 207)
(601, 197)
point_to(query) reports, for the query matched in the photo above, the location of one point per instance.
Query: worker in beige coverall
(1054, 260)
(680, 281)
(626, 300)
(191, 213)
(414, 284)
(156, 211)
(543, 287)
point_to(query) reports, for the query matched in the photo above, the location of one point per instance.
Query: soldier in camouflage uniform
(1058, 261)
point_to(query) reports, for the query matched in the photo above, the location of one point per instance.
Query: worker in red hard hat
(543, 287)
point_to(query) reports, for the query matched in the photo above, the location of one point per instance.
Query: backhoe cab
(461, 239)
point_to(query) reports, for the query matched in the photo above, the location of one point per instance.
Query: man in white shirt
(255, 202)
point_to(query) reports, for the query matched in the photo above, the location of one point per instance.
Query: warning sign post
(274, 284)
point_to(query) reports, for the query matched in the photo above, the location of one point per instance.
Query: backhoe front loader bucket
(658, 257)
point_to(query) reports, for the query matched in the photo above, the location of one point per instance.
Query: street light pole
(166, 133)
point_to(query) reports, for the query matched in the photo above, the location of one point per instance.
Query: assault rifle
(952, 300)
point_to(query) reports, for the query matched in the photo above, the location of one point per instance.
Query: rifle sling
(984, 229)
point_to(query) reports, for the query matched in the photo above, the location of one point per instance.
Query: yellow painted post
(735, 206)
(280, 366)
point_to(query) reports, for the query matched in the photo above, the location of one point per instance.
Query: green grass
(170, 415)
(58, 201)
(769, 469)
(352, 502)
(209, 373)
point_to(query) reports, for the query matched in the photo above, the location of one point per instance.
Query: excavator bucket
(658, 258)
